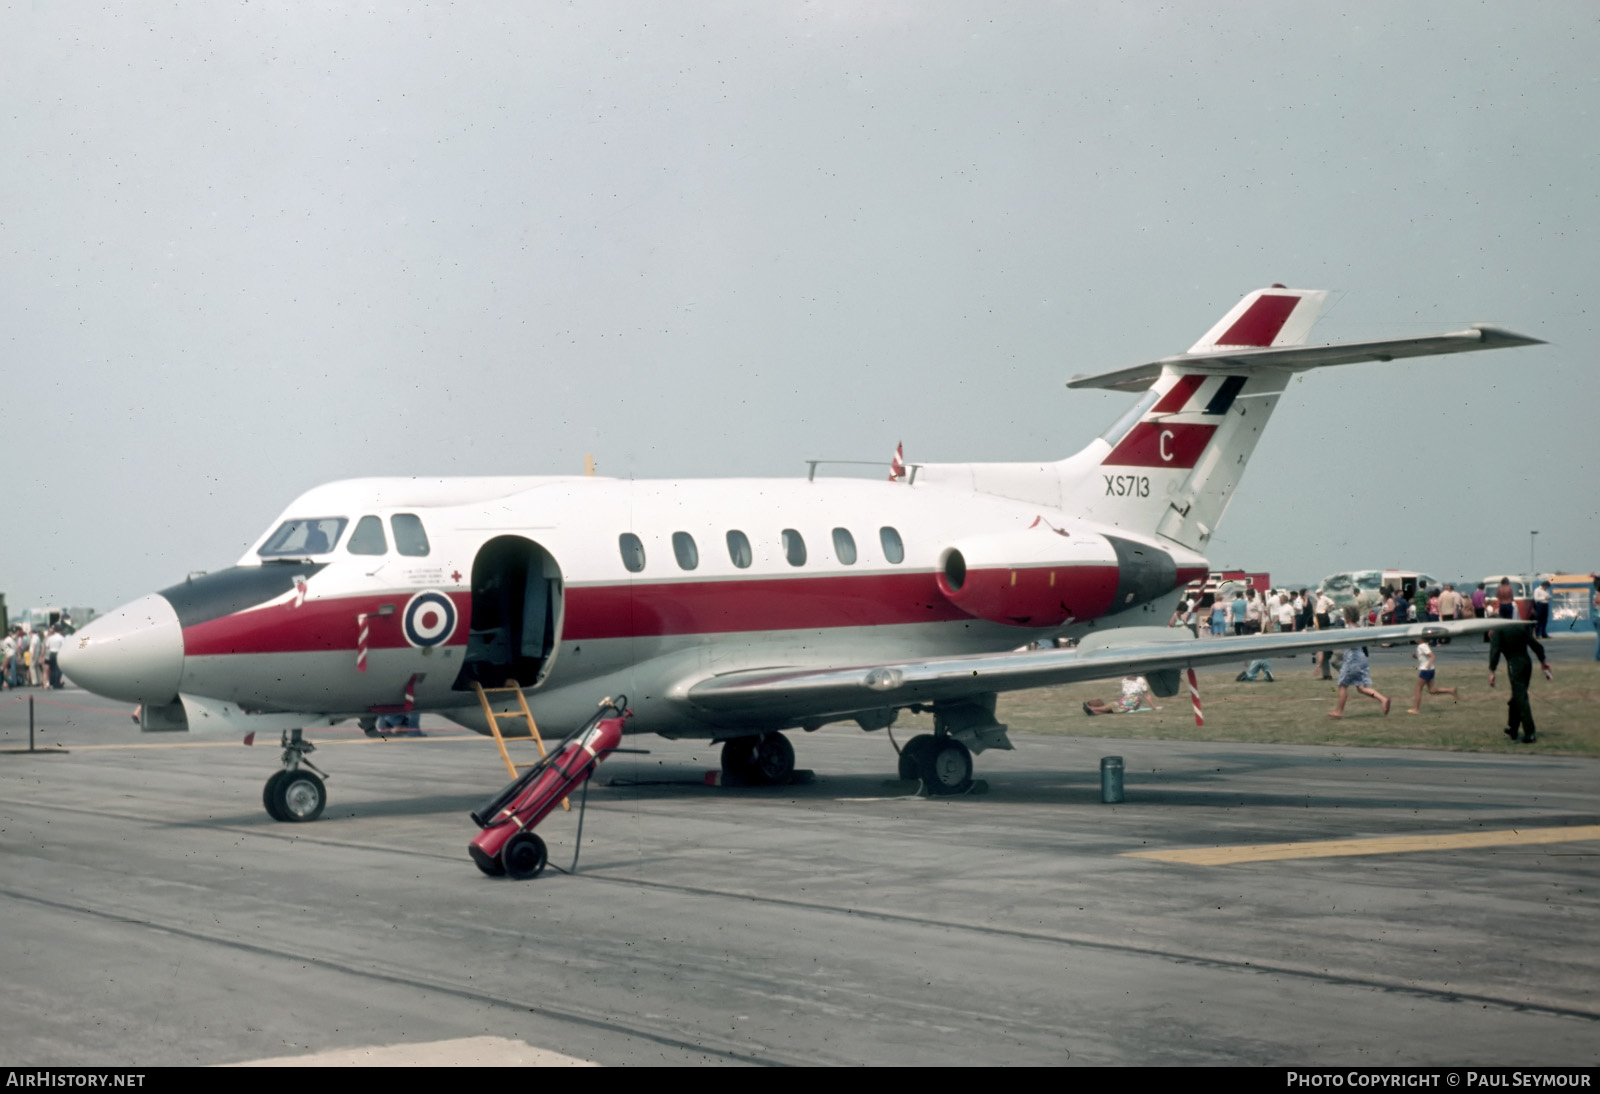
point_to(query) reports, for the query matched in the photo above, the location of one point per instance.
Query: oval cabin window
(893, 549)
(794, 547)
(632, 552)
(687, 553)
(739, 549)
(844, 546)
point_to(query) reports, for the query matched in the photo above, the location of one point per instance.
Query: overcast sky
(249, 248)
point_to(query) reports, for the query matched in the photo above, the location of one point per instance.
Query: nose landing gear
(295, 794)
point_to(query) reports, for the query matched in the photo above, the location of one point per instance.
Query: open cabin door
(516, 614)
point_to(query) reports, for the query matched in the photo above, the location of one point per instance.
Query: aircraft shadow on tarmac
(1212, 788)
(420, 805)
(1010, 788)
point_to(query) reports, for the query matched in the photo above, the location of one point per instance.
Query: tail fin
(1171, 463)
(1267, 317)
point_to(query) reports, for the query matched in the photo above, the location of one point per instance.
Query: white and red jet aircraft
(734, 609)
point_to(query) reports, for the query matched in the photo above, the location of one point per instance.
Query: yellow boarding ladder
(500, 739)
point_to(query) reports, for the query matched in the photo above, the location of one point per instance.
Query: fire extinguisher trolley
(507, 846)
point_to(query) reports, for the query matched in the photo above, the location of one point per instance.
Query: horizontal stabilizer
(1301, 358)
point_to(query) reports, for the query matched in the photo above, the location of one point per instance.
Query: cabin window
(844, 546)
(409, 536)
(632, 552)
(299, 538)
(794, 547)
(739, 549)
(683, 547)
(893, 549)
(368, 538)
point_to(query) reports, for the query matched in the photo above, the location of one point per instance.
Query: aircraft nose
(134, 653)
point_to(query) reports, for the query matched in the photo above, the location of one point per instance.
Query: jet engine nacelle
(1043, 578)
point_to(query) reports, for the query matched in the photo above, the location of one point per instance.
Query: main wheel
(947, 767)
(911, 756)
(524, 856)
(299, 796)
(773, 760)
(269, 795)
(738, 759)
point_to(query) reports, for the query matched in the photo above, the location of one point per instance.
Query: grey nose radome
(134, 653)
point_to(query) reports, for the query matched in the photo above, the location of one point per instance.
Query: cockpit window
(299, 538)
(367, 539)
(409, 536)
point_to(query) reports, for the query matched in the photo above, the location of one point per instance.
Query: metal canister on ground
(1111, 779)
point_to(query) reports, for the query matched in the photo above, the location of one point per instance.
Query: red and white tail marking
(897, 464)
(1267, 317)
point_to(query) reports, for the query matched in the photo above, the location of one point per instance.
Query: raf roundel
(430, 619)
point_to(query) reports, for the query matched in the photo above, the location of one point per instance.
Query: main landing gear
(942, 760)
(296, 793)
(763, 760)
(943, 764)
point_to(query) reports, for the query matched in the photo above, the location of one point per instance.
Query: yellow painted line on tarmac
(462, 1052)
(1378, 845)
(268, 743)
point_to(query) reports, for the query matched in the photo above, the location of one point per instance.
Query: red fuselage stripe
(639, 610)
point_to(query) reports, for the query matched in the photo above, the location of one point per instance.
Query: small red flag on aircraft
(897, 465)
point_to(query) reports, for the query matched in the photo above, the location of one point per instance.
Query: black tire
(269, 795)
(738, 759)
(524, 856)
(773, 760)
(947, 768)
(299, 796)
(486, 862)
(911, 756)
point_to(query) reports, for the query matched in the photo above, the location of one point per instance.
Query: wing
(801, 695)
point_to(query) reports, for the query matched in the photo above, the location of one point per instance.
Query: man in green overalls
(1513, 643)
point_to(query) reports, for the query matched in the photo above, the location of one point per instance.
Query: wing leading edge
(801, 695)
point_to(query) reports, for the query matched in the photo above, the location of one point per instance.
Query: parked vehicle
(1343, 586)
(1521, 590)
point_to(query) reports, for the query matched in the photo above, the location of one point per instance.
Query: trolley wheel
(299, 796)
(524, 856)
(947, 768)
(911, 756)
(269, 795)
(486, 862)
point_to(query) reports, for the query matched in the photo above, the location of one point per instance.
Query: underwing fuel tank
(1044, 577)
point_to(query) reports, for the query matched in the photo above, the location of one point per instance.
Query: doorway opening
(516, 615)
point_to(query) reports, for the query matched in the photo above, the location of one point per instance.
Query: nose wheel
(295, 794)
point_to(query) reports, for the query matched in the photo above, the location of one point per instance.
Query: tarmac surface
(153, 914)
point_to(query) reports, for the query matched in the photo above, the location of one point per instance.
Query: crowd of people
(1251, 611)
(28, 656)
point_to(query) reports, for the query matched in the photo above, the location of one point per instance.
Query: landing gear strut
(764, 760)
(294, 794)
